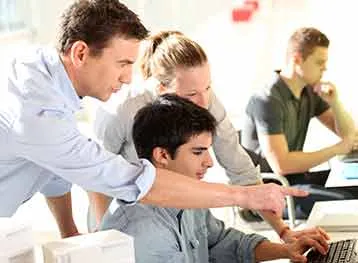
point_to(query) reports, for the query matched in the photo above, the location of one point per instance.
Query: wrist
(240, 197)
(283, 232)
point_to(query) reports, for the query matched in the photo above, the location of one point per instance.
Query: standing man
(42, 149)
(278, 117)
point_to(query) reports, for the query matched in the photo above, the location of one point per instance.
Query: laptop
(335, 216)
(351, 157)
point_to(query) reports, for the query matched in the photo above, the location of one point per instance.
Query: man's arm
(228, 244)
(284, 162)
(288, 235)
(175, 190)
(61, 208)
(337, 119)
(267, 250)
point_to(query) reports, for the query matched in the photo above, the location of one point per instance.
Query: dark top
(275, 110)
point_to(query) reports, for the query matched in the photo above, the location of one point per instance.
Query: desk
(335, 178)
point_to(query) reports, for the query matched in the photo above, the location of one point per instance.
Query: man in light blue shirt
(41, 147)
(176, 134)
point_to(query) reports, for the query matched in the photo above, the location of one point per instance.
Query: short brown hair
(96, 22)
(167, 51)
(305, 40)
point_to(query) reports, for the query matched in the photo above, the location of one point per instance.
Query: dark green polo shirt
(275, 110)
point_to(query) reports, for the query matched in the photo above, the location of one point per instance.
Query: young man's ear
(297, 58)
(79, 52)
(160, 157)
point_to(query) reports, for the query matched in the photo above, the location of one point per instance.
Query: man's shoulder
(142, 220)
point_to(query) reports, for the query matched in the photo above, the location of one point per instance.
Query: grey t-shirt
(275, 110)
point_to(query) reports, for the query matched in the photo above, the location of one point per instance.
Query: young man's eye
(197, 153)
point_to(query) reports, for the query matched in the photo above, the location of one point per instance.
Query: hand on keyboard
(297, 248)
(291, 236)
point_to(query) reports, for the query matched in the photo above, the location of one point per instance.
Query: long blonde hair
(165, 52)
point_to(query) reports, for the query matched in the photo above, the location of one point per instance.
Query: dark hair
(96, 22)
(165, 52)
(169, 122)
(305, 40)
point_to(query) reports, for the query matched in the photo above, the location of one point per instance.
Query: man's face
(193, 158)
(102, 75)
(194, 84)
(312, 68)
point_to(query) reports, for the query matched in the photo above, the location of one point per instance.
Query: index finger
(294, 191)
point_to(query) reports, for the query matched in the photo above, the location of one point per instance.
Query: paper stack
(16, 242)
(106, 246)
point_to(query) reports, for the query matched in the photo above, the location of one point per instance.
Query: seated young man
(176, 134)
(278, 117)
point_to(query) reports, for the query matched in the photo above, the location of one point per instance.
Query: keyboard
(343, 251)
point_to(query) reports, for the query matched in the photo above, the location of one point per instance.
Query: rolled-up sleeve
(228, 151)
(230, 245)
(56, 187)
(51, 139)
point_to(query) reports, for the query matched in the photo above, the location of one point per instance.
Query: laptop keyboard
(339, 252)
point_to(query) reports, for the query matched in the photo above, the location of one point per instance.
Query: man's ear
(160, 157)
(79, 52)
(162, 89)
(297, 58)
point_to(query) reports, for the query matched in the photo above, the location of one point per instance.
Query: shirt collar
(64, 83)
(174, 212)
(283, 88)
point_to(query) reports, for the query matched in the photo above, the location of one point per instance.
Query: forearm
(274, 220)
(267, 250)
(175, 190)
(61, 208)
(298, 162)
(344, 124)
(99, 204)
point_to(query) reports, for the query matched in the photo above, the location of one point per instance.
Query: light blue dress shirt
(41, 148)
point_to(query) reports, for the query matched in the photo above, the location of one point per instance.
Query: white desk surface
(335, 178)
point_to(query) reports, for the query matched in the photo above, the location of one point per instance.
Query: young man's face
(194, 84)
(104, 74)
(312, 68)
(193, 158)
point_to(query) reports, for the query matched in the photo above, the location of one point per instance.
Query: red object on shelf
(242, 13)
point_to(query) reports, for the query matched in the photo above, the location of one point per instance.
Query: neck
(293, 81)
(69, 68)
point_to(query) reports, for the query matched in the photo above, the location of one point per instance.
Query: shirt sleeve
(50, 139)
(230, 245)
(267, 114)
(228, 151)
(56, 187)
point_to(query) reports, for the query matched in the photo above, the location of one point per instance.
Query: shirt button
(194, 243)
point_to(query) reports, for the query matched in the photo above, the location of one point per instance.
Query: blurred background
(244, 46)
